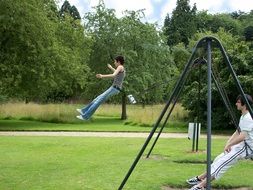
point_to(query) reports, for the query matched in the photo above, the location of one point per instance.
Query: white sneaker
(80, 111)
(197, 188)
(193, 181)
(80, 117)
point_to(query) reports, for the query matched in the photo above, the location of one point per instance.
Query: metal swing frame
(206, 42)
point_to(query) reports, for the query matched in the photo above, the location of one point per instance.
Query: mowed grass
(63, 163)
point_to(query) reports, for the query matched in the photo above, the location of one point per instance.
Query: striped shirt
(118, 79)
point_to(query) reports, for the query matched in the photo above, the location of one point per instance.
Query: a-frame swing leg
(175, 91)
(175, 94)
(168, 115)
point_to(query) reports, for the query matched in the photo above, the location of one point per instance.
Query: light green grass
(63, 163)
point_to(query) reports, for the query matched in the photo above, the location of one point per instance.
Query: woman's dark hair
(120, 59)
(249, 98)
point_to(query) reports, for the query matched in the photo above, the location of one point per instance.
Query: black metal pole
(179, 83)
(187, 67)
(150, 135)
(209, 113)
(152, 131)
(198, 111)
(168, 115)
(225, 101)
(197, 137)
(123, 112)
(194, 136)
(158, 135)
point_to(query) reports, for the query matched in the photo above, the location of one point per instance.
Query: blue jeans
(90, 109)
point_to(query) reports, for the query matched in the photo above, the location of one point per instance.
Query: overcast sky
(156, 10)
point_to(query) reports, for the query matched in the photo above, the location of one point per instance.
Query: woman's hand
(99, 76)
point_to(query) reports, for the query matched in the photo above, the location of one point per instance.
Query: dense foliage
(43, 55)
(49, 54)
(235, 32)
(144, 48)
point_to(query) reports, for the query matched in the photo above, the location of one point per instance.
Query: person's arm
(119, 68)
(110, 67)
(235, 139)
(235, 134)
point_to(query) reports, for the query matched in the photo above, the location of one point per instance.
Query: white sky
(156, 10)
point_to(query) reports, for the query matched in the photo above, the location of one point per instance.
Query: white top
(246, 125)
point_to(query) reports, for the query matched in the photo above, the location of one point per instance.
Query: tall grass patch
(55, 113)
(66, 113)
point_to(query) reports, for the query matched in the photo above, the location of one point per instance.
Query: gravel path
(99, 134)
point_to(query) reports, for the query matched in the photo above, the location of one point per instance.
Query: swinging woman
(118, 75)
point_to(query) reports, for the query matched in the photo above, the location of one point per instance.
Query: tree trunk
(123, 113)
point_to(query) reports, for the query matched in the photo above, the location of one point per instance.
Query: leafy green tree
(182, 24)
(148, 55)
(248, 33)
(240, 57)
(36, 58)
(142, 45)
(213, 22)
(24, 39)
(236, 14)
(71, 10)
(180, 55)
(246, 18)
(101, 26)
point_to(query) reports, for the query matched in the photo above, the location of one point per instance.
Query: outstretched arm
(119, 68)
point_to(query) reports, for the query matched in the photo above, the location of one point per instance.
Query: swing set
(207, 43)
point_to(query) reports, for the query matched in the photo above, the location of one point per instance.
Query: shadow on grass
(155, 157)
(190, 161)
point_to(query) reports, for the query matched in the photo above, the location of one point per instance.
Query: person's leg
(227, 160)
(85, 108)
(202, 176)
(197, 179)
(222, 163)
(91, 108)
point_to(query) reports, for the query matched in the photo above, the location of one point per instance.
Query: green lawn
(59, 163)
(101, 163)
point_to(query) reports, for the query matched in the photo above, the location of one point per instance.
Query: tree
(182, 24)
(147, 55)
(213, 22)
(240, 56)
(142, 45)
(71, 10)
(248, 33)
(37, 62)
